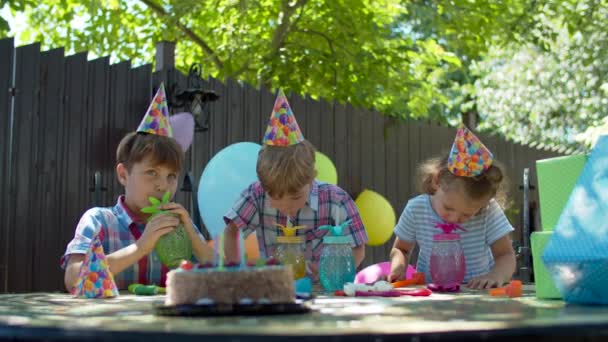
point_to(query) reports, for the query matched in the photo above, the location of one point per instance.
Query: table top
(468, 313)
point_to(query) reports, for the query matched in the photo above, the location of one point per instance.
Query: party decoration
(326, 170)
(283, 129)
(156, 119)
(577, 252)
(94, 277)
(183, 129)
(468, 157)
(377, 215)
(375, 272)
(226, 175)
(556, 179)
(172, 247)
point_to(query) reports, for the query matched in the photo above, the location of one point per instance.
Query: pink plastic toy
(373, 273)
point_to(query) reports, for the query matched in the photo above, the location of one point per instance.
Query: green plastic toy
(173, 247)
(145, 290)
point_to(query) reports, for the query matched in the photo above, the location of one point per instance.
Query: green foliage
(552, 93)
(423, 59)
(345, 50)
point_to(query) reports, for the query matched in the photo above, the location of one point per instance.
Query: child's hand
(313, 270)
(178, 210)
(486, 281)
(396, 274)
(158, 226)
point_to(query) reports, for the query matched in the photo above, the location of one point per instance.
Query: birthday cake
(203, 284)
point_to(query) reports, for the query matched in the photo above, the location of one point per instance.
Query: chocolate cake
(230, 285)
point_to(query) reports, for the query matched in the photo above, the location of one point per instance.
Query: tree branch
(188, 32)
(280, 34)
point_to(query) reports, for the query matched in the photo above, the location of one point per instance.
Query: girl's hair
(135, 147)
(490, 183)
(286, 169)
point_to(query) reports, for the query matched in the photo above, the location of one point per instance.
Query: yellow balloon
(326, 170)
(377, 215)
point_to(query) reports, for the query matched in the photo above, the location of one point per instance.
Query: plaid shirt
(117, 227)
(326, 204)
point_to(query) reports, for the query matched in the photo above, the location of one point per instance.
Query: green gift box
(556, 179)
(545, 286)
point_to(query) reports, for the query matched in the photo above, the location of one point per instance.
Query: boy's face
(453, 206)
(145, 180)
(289, 204)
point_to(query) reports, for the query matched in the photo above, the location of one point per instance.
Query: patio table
(466, 315)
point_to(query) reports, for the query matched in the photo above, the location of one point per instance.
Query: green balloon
(326, 170)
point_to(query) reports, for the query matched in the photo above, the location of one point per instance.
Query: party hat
(468, 157)
(94, 278)
(156, 119)
(283, 129)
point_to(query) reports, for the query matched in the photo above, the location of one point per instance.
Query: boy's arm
(231, 243)
(70, 277)
(359, 254)
(400, 257)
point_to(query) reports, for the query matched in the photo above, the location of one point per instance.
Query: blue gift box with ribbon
(577, 253)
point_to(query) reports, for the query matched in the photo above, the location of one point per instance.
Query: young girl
(458, 189)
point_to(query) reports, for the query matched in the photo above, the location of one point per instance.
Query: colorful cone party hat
(468, 157)
(283, 129)
(156, 119)
(94, 278)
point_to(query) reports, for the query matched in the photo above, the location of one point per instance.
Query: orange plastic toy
(511, 290)
(416, 279)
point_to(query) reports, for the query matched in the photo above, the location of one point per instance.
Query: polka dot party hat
(468, 157)
(283, 129)
(94, 278)
(156, 119)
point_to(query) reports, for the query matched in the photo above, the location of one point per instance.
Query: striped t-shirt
(417, 225)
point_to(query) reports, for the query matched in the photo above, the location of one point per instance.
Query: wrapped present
(556, 178)
(577, 252)
(543, 283)
(94, 278)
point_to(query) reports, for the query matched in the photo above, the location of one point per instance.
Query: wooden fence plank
(75, 187)
(326, 119)
(24, 178)
(46, 273)
(6, 82)
(98, 158)
(236, 118)
(120, 83)
(341, 142)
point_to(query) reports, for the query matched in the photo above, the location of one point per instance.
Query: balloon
(377, 215)
(372, 273)
(183, 129)
(326, 170)
(226, 175)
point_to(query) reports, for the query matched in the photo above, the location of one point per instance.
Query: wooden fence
(61, 119)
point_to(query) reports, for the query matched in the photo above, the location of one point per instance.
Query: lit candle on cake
(242, 248)
(220, 252)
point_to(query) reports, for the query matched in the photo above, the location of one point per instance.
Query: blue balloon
(226, 175)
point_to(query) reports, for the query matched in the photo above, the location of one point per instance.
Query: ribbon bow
(448, 227)
(336, 230)
(290, 231)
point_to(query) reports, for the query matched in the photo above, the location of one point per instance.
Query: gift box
(544, 284)
(577, 252)
(556, 178)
